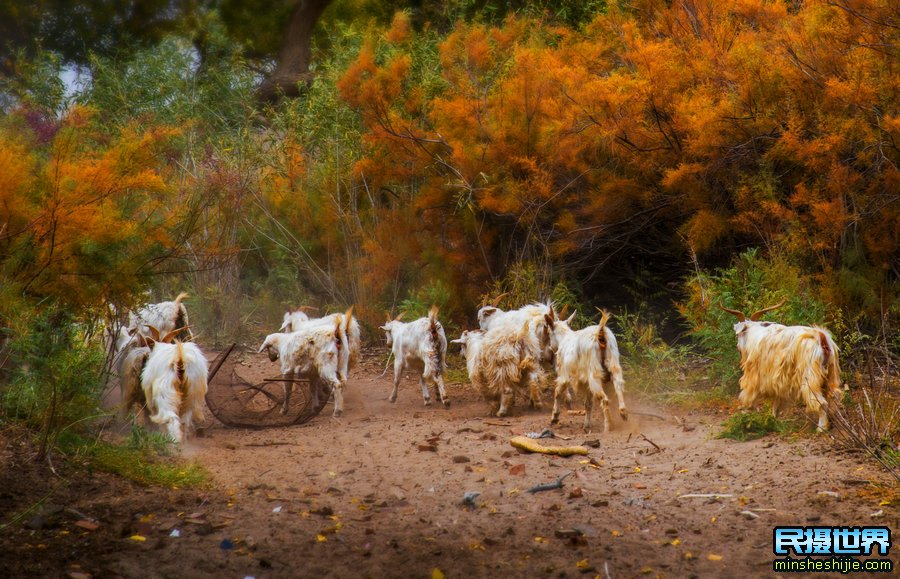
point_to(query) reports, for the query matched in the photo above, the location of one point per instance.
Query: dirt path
(362, 496)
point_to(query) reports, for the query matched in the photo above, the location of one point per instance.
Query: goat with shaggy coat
(785, 364)
(587, 360)
(164, 316)
(174, 383)
(421, 344)
(500, 364)
(317, 352)
(297, 319)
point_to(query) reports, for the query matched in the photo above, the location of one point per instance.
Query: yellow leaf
(476, 546)
(321, 538)
(515, 491)
(616, 533)
(637, 469)
(138, 538)
(712, 519)
(743, 500)
(675, 542)
(583, 564)
(682, 471)
(712, 557)
(437, 574)
(540, 540)
(688, 556)
(646, 570)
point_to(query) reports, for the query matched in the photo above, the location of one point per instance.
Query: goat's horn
(740, 315)
(497, 299)
(307, 308)
(755, 316)
(400, 315)
(562, 312)
(172, 334)
(154, 333)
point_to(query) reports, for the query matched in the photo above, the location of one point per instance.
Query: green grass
(745, 426)
(144, 457)
(145, 467)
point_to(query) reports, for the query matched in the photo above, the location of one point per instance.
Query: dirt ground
(379, 493)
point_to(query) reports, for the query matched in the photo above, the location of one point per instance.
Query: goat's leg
(442, 392)
(506, 396)
(398, 371)
(596, 390)
(338, 398)
(561, 387)
(426, 396)
(288, 387)
(588, 409)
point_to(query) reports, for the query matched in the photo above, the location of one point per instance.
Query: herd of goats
(163, 371)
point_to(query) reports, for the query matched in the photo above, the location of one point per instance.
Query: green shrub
(751, 283)
(745, 426)
(57, 380)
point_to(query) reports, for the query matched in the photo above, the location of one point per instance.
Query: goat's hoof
(428, 402)
(337, 413)
(392, 399)
(554, 420)
(623, 413)
(446, 403)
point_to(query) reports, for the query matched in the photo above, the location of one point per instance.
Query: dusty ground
(365, 496)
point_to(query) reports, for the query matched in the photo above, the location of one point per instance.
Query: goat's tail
(437, 349)
(179, 363)
(180, 297)
(830, 361)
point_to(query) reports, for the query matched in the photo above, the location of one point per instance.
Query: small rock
(600, 503)
(576, 493)
(459, 459)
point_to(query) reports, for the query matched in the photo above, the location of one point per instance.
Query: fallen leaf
(675, 542)
(583, 564)
(516, 470)
(321, 538)
(437, 574)
(616, 533)
(138, 538)
(87, 525)
(540, 540)
(476, 546)
(713, 557)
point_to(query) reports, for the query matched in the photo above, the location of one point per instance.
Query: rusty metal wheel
(236, 401)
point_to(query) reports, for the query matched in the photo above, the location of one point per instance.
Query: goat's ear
(488, 311)
(385, 328)
(148, 341)
(549, 319)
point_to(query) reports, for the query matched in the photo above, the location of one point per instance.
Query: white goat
(419, 344)
(174, 383)
(292, 317)
(317, 351)
(539, 319)
(164, 316)
(784, 364)
(294, 321)
(499, 364)
(587, 360)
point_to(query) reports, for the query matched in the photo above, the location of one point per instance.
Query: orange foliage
(82, 210)
(753, 121)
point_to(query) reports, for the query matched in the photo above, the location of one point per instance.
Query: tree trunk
(293, 58)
